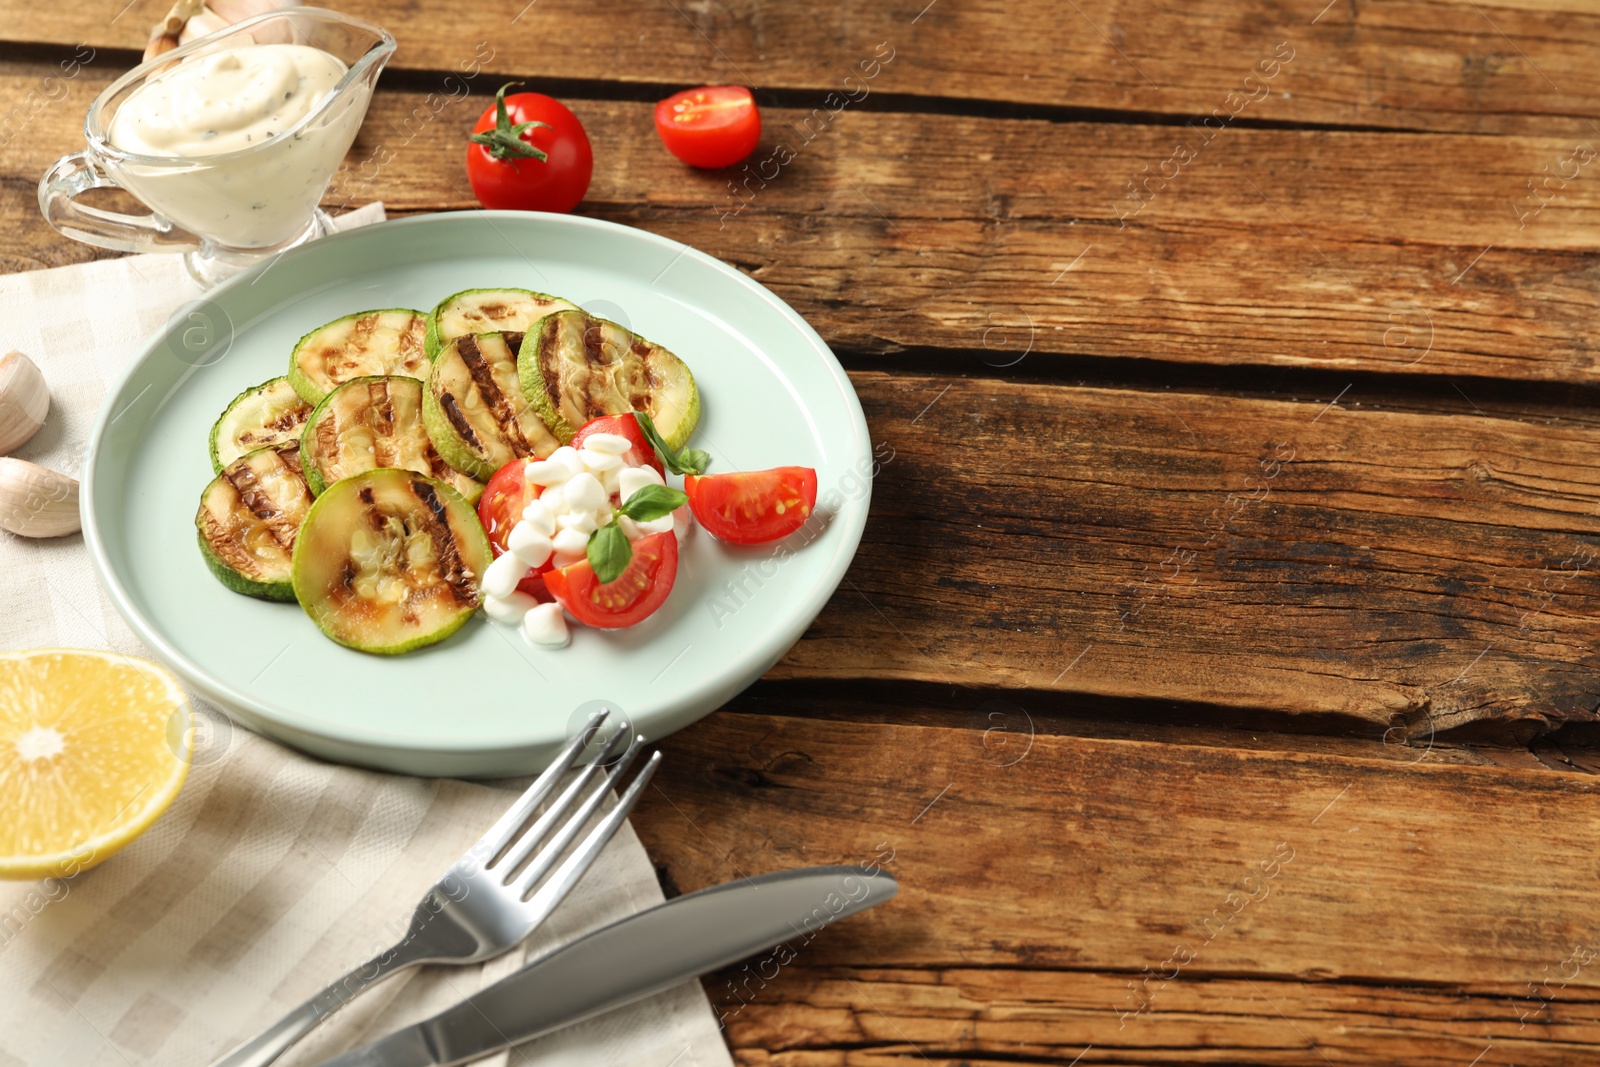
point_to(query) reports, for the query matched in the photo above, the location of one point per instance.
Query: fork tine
(567, 875)
(550, 853)
(500, 834)
(557, 811)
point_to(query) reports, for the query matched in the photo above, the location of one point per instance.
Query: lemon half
(93, 747)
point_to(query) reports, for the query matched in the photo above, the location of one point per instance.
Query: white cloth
(273, 873)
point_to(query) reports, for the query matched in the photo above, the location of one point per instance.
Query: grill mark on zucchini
(459, 422)
(373, 422)
(254, 495)
(647, 363)
(452, 568)
(549, 365)
(494, 401)
(249, 520)
(575, 367)
(381, 419)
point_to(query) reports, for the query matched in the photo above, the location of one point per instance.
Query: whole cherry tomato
(529, 153)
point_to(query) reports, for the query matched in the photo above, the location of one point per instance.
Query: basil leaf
(689, 461)
(653, 502)
(609, 552)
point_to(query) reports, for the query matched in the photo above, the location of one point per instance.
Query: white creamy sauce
(238, 100)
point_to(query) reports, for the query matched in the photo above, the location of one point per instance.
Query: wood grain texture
(1501, 67)
(1366, 582)
(1337, 252)
(1161, 903)
(1044, 698)
(1430, 573)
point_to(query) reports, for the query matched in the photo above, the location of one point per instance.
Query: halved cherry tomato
(753, 507)
(625, 425)
(500, 508)
(712, 126)
(632, 598)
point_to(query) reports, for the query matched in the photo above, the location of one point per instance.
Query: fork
(477, 910)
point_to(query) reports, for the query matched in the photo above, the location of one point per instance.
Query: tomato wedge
(632, 598)
(500, 508)
(712, 126)
(624, 425)
(753, 507)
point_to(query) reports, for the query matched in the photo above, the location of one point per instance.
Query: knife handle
(278, 1038)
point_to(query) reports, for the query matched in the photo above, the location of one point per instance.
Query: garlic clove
(36, 501)
(164, 37)
(220, 14)
(24, 401)
(231, 11)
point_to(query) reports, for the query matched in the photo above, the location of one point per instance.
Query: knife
(630, 959)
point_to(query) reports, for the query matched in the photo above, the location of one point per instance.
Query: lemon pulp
(93, 748)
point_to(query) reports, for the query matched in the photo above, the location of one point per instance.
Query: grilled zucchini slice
(389, 560)
(474, 409)
(249, 520)
(356, 346)
(575, 367)
(268, 414)
(486, 311)
(374, 422)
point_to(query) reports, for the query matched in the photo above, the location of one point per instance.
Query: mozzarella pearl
(539, 516)
(610, 443)
(530, 546)
(545, 625)
(509, 609)
(632, 479)
(554, 499)
(655, 526)
(546, 472)
(581, 521)
(568, 456)
(585, 493)
(570, 543)
(600, 462)
(500, 578)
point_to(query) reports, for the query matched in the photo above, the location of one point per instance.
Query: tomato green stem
(505, 142)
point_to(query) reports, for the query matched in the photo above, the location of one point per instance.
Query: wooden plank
(1364, 582)
(1501, 67)
(1160, 903)
(1384, 567)
(948, 1017)
(1341, 252)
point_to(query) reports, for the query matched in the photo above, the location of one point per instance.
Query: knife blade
(630, 959)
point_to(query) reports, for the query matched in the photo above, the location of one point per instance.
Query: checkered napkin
(272, 873)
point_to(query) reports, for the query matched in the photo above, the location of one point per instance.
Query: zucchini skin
(216, 427)
(480, 433)
(433, 342)
(471, 542)
(308, 450)
(313, 392)
(530, 373)
(238, 583)
(447, 444)
(229, 576)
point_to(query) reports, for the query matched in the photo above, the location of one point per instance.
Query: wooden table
(1218, 671)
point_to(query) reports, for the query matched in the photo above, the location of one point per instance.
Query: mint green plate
(482, 703)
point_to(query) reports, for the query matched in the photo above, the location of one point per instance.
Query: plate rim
(267, 717)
